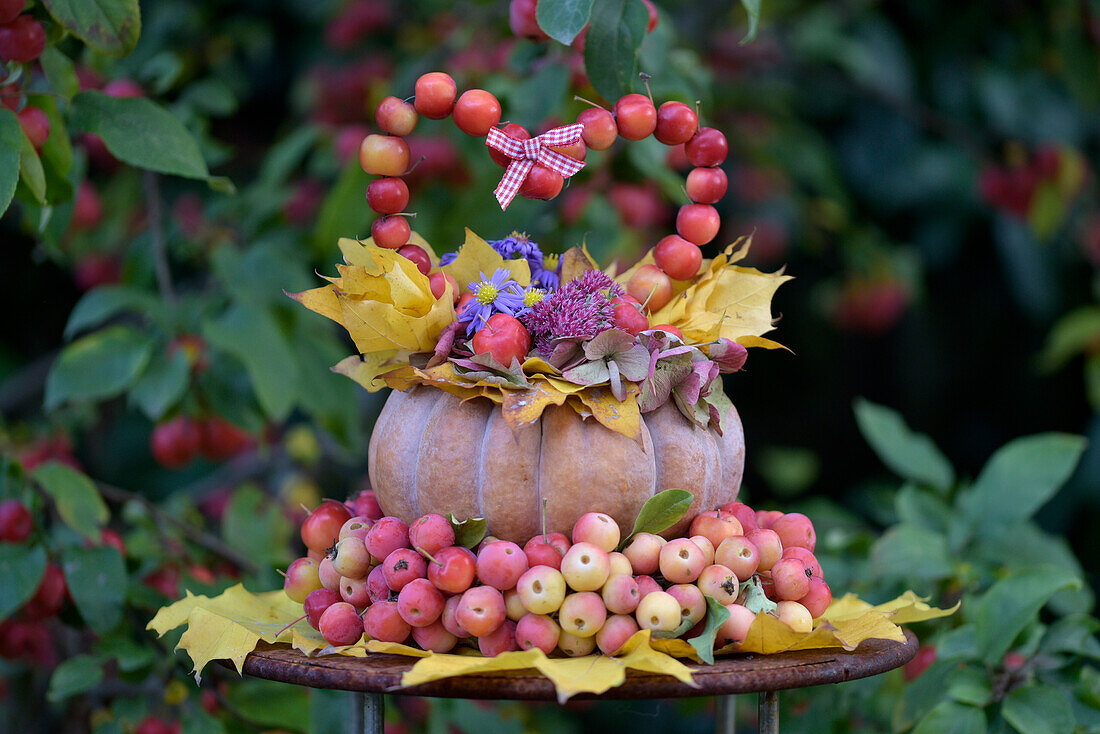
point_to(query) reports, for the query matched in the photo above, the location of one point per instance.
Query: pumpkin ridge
(481, 468)
(415, 500)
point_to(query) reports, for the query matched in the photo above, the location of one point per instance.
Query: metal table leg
(769, 713)
(368, 713)
(725, 715)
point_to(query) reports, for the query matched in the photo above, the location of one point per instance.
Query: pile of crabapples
(374, 574)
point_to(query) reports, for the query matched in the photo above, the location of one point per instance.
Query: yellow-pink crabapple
(738, 554)
(644, 552)
(301, 578)
(500, 564)
(658, 611)
(808, 559)
(795, 529)
(790, 579)
(513, 605)
(541, 589)
(357, 527)
(818, 598)
(598, 529)
(377, 587)
(582, 614)
(618, 563)
(352, 560)
(681, 561)
(419, 603)
(402, 566)
(615, 632)
(537, 631)
(719, 583)
(574, 646)
(585, 567)
(431, 532)
(795, 616)
(646, 585)
(355, 592)
(329, 576)
(715, 527)
(383, 622)
(706, 546)
(434, 637)
(340, 625)
(693, 605)
(736, 628)
(449, 618)
(386, 536)
(452, 569)
(620, 593)
(481, 610)
(768, 545)
(502, 639)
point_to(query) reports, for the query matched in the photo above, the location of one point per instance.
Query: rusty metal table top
(381, 673)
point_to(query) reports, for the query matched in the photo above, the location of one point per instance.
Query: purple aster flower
(498, 294)
(580, 308)
(447, 258)
(517, 246)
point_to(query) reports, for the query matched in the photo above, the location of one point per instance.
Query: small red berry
(16, 522)
(176, 443)
(22, 40)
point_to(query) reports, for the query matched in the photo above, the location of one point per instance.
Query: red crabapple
(693, 605)
(714, 527)
(501, 564)
(585, 567)
(418, 255)
(384, 155)
(679, 258)
(768, 544)
(10, 10)
(502, 639)
(175, 443)
(736, 628)
(481, 610)
(316, 603)
(574, 646)
(744, 514)
(476, 111)
(377, 587)
(383, 622)
(618, 563)
(391, 232)
(795, 616)
(340, 625)
(542, 554)
(765, 518)
(646, 585)
(738, 554)
(512, 130)
(386, 536)
(16, 522)
(650, 286)
(541, 589)
(706, 185)
(676, 123)
(35, 124)
(22, 40)
(615, 632)
(435, 95)
(698, 223)
(658, 611)
(388, 195)
(795, 529)
(352, 558)
(431, 532)
(402, 566)
(706, 546)
(301, 578)
(365, 504)
(537, 631)
(644, 552)
(719, 583)
(582, 614)
(681, 561)
(620, 594)
(50, 594)
(355, 592)
(396, 116)
(600, 129)
(708, 147)
(541, 183)
(523, 21)
(790, 579)
(419, 603)
(322, 528)
(598, 529)
(449, 618)
(356, 527)
(438, 283)
(635, 116)
(818, 598)
(452, 569)
(504, 337)
(628, 315)
(809, 559)
(434, 637)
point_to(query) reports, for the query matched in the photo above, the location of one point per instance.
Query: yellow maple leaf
(621, 416)
(477, 256)
(525, 406)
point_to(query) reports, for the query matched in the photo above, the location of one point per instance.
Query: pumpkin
(432, 452)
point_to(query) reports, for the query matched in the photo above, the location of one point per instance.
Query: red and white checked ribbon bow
(526, 153)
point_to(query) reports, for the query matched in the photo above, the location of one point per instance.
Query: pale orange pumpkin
(431, 452)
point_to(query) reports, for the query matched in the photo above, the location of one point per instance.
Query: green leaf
(672, 634)
(129, 654)
(1038, 709)
(57, 151)
(468, 532)
(197, 721)
(342, 213)
(1012, 604)
(21, 570)
(162, 385)
(909, 454)
(950, 717)
(1021, 477)
(257, 527)
(11, 139)
(704, 643)
(278, 705)
(31, 173)
(616, 31)
(75, 675)
(60, 71)
(100, 304)
(1074, 333)
(109, 26)
(752, 8)
(660, 512)
(97, 582)
(1074, 634)
(252, 335)
(958, 643)
(78, 501)
(563, 19)
(970, 685)
(98, 366)
(919, 697)
(535, 98)
(911, 552)
(917, 506)
(139, 132)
